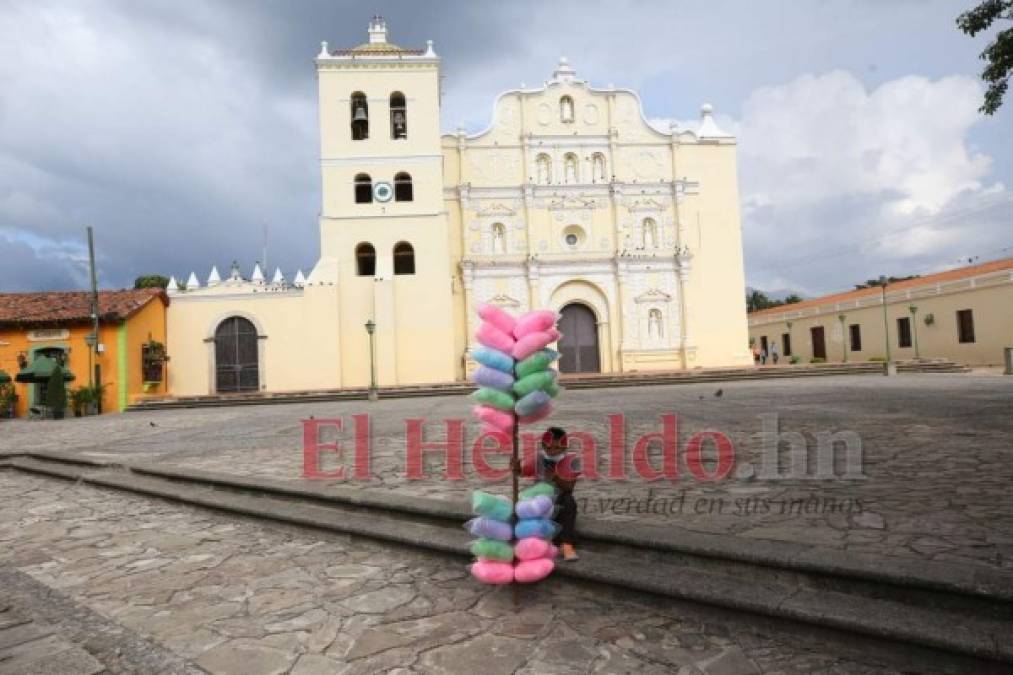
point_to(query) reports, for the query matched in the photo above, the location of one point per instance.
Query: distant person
(756, 355)
(773, 352)
(763, 356)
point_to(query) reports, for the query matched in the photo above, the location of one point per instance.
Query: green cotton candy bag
(495, 398)
(491, 506)
(552, 390)
(534, 382)
(538, 490)
(537, 362)
(491, 549)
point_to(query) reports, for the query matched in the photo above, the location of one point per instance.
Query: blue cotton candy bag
(494, 358)
(536, 527)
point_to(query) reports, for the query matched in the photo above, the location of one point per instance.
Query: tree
(56, 393)
(757, 300)
(792, 298)
(151, 281)
(876, 283)
(998, 54)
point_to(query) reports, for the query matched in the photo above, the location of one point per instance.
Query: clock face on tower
(382, 192)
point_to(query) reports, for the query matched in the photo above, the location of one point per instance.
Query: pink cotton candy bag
(497, 317)
(499, 419)
(493, 572)
(530, 571)
(533, 342)
(538, 320)
(490, 336)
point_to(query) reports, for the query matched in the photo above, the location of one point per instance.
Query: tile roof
(50, 308)
(926, 280)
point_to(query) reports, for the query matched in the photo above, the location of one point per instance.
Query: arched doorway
(236, 357)
(578, 348)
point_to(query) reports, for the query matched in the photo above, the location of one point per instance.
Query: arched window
(498, 238)
(544, 165)
(398, 116)
(570, 168)
(363, 189)
(402, 187)
(655, 326)
(566, 109)
(598, 168)
(650, 233)
(365, 260)
(360, 117)
(404, 258)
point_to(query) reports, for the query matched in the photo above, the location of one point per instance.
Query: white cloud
(840, 183)
(826, 136)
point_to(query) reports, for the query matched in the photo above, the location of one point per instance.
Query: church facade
(569, 200)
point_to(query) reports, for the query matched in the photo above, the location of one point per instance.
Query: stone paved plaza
(938, 462)
(218, 594)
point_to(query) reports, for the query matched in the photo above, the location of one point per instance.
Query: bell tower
(384, 240)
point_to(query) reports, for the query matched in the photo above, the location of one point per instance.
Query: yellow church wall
(715, 296)
(294, 337)
(989, 300)
(355, 300)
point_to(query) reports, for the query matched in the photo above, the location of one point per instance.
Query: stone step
(569, 381)
(957, 611)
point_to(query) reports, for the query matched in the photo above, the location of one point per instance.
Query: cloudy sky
(179, 130)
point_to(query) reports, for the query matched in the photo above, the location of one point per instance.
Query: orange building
(57, 324)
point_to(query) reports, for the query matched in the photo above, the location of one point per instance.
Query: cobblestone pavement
(43, 632)
(938, 462)
(235, 596)
(29, 647)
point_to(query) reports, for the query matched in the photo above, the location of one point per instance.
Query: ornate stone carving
(572, 202)
(653, 295)
(544, 114)
(647, 204)
(504, 300)
(495, 210)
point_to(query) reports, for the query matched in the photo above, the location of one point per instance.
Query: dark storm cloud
(179, 135)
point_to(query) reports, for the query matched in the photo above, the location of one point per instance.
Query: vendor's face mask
(551, 458)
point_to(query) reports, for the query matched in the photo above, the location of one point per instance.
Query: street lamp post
(914, 327)
(373, 393)
(886, 326)
(844, 337)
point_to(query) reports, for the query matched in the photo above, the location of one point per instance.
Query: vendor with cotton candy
(554, 464)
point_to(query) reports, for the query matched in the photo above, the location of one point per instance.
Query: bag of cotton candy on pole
(493, 552)
(535, 385)
(533, 548)
(534, 531)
